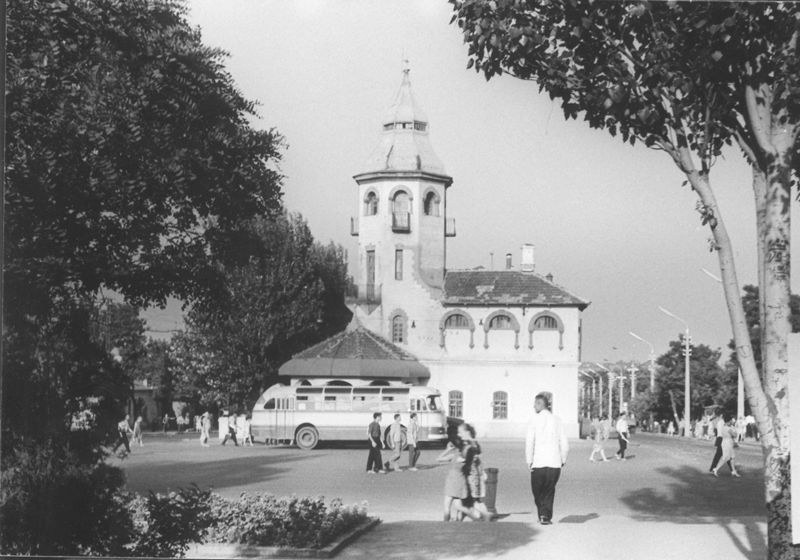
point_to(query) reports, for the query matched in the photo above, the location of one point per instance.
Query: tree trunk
(775, 137)
(774, 354)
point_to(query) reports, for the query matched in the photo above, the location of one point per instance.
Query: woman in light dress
(137, 431)
(728, 435)
(455, 483)
(473, 470)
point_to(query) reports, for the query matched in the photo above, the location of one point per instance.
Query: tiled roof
(505, 287)
(355, 352)
(355, 343)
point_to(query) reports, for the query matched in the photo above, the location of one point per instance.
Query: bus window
(388, 398)
(270, 405)
(434, 402)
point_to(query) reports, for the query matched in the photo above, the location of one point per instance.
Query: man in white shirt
(546, 449)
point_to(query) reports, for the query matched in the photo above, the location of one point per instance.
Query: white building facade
(491, 339)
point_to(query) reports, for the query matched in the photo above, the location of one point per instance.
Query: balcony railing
(450, 227)
(401, 222)
(353, 226)
(363, 294)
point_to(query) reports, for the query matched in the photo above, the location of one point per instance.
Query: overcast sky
(611, 222)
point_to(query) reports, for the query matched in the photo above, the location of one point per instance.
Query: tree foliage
(287, 296)
(130, 161)
(129, 152)
(711, 384)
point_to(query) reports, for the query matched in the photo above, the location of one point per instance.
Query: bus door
(284, 419)
(418, 405)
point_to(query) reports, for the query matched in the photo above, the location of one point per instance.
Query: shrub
(264, 520)
(53, 503)
(165, 524)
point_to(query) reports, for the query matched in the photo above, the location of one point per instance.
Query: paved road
(664, 485)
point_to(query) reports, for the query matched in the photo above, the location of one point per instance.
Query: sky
(611, 222)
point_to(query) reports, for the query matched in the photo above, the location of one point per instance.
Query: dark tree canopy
(287, 296)
(129, 152)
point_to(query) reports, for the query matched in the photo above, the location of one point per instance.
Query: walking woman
(728, 435)
(137, 431)
(473, 470)
(622, 430)
(455, 484)
(597, 436)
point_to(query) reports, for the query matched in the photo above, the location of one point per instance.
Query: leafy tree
(752, 311)
(129, 165)
(156, 369)
(684, 78)
(710, 383)
(287, 296)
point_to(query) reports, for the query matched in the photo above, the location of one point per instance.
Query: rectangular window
(500, 405)
(398, 264)
(456, 404)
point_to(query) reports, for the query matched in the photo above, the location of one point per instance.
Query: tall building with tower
(489, 340)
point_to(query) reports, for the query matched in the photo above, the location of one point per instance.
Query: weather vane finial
(406, 67)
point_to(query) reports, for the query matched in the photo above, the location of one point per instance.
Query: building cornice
(373, 176)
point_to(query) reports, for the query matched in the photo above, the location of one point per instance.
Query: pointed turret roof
(404, 144)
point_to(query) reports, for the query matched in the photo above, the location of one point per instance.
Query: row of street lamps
(687, 374)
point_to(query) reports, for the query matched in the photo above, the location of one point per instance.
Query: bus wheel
(307, 437)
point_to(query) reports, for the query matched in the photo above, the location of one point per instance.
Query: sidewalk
(582, 537)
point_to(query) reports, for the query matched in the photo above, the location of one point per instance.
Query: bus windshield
(434, 402)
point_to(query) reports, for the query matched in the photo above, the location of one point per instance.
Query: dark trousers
(543, 486)
(623, 445)
(232, 435)
(374, 461)
(413, 455)
(717, 453)
(122, 440)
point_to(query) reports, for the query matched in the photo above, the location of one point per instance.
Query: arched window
(371, 204)
(500, 321)
(499, 405)
(455, 404)
(401, 212)
(456, 319)
(398, 329)
(546, 321)
(430, 204)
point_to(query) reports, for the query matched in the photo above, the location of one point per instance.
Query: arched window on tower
(500, 322)
(398, 329)
(401, 212)
(371, 204)
(456, 320)
(546, 323)
(430, 205)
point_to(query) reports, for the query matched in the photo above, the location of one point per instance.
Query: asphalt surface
(663, 491)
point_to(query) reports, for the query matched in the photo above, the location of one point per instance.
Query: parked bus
(307, 415)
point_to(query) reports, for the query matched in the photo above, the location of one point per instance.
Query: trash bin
(491, 490)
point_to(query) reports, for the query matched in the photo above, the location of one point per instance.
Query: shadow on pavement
(578, 518)
(217, 473)
(411, 540)
(697, 497)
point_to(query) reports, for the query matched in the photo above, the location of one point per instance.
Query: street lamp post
(649, 367)
(598, 393)
(587, 407)
(686, 385)
(632, 370)
(610, 385)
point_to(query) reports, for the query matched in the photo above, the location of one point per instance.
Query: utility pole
(686, 385)
(632, 370)
(649, 367)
